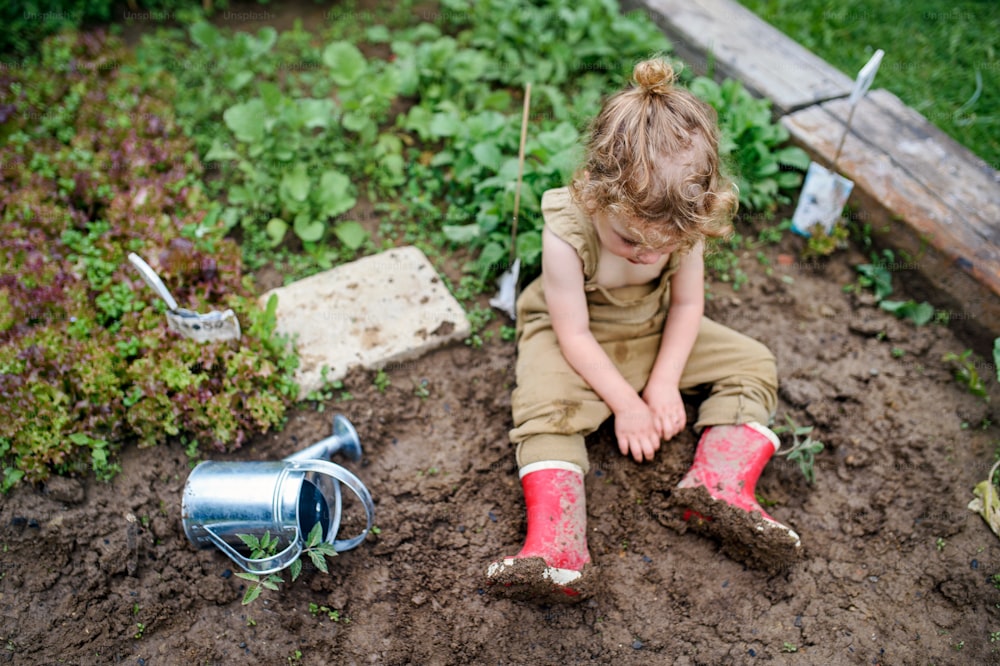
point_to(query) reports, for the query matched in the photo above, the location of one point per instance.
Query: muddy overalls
(554, 409)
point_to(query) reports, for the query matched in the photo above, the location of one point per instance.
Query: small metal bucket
(286, 499)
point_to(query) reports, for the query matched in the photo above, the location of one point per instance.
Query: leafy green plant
(722, 260)
(88, 363)
(328, 390)
(967, 373)
(765, 169)
(804, 448)
(27, 24)
(316, 549)
(822, 243)
(382, 381)
(288, 149)
(919, 313)
(877, 276)
(874, 276)
(332, 614)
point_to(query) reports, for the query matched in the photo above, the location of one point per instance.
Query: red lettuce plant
(92, 167)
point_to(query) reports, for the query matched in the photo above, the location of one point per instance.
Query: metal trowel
(210, 327)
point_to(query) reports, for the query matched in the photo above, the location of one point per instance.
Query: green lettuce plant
(95, 167)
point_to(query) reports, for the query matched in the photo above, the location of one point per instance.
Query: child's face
(630, 239)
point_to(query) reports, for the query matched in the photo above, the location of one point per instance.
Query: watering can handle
(264, 565)
(354, 483)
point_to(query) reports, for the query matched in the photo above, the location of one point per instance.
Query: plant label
(211, 327)
(822, 200)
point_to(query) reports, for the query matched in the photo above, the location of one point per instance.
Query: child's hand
(667, 409)
(636, 431)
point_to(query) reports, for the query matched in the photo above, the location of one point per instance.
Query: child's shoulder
(557, 199)
(562, 215)
(567, 220)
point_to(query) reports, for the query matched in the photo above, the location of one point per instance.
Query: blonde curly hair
(653, 156)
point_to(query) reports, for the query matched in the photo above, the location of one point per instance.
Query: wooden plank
(928, 195)
(744, 47)
(964, 182)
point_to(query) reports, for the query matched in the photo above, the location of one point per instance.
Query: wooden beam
(744, 47)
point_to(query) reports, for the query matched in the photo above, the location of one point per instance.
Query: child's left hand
(668, 409)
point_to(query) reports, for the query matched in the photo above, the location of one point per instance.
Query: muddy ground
(896, 569)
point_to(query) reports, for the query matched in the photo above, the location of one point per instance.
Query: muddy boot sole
(744, 536)
(531, 579)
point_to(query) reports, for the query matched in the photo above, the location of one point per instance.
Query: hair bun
(655, 76)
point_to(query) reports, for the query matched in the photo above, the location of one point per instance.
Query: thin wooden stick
(843, 137)
(520, 170)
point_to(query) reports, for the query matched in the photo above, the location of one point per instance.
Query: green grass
(935, 51)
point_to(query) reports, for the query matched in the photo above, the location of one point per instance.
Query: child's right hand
(635, 428)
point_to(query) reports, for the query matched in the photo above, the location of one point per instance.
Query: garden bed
(896, 569)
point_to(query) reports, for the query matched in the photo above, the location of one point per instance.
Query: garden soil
(895, 570)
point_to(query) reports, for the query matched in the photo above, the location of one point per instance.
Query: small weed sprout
(317, 550)
(940, 544)
(332, 614)
(804, 448)
(823, 244)
(327, 391)
(787, 646)
(877, 276)
(382, 381)
(966, 373)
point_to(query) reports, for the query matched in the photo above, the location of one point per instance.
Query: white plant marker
(825, 192)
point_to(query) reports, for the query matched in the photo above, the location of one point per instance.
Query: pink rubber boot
(551, 564)
(717, 494)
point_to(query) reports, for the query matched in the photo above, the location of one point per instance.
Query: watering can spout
(343, 440)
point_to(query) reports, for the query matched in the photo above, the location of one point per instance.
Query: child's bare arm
(687, 304)
(562, 281)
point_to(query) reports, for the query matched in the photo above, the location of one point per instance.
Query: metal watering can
(286, 498)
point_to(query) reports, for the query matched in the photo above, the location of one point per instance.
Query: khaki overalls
(554, 408)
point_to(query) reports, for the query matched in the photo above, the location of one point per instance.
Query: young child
(614, 326)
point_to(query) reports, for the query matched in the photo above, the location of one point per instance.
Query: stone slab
(381, 309)
(926, 194)
(742, 46)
